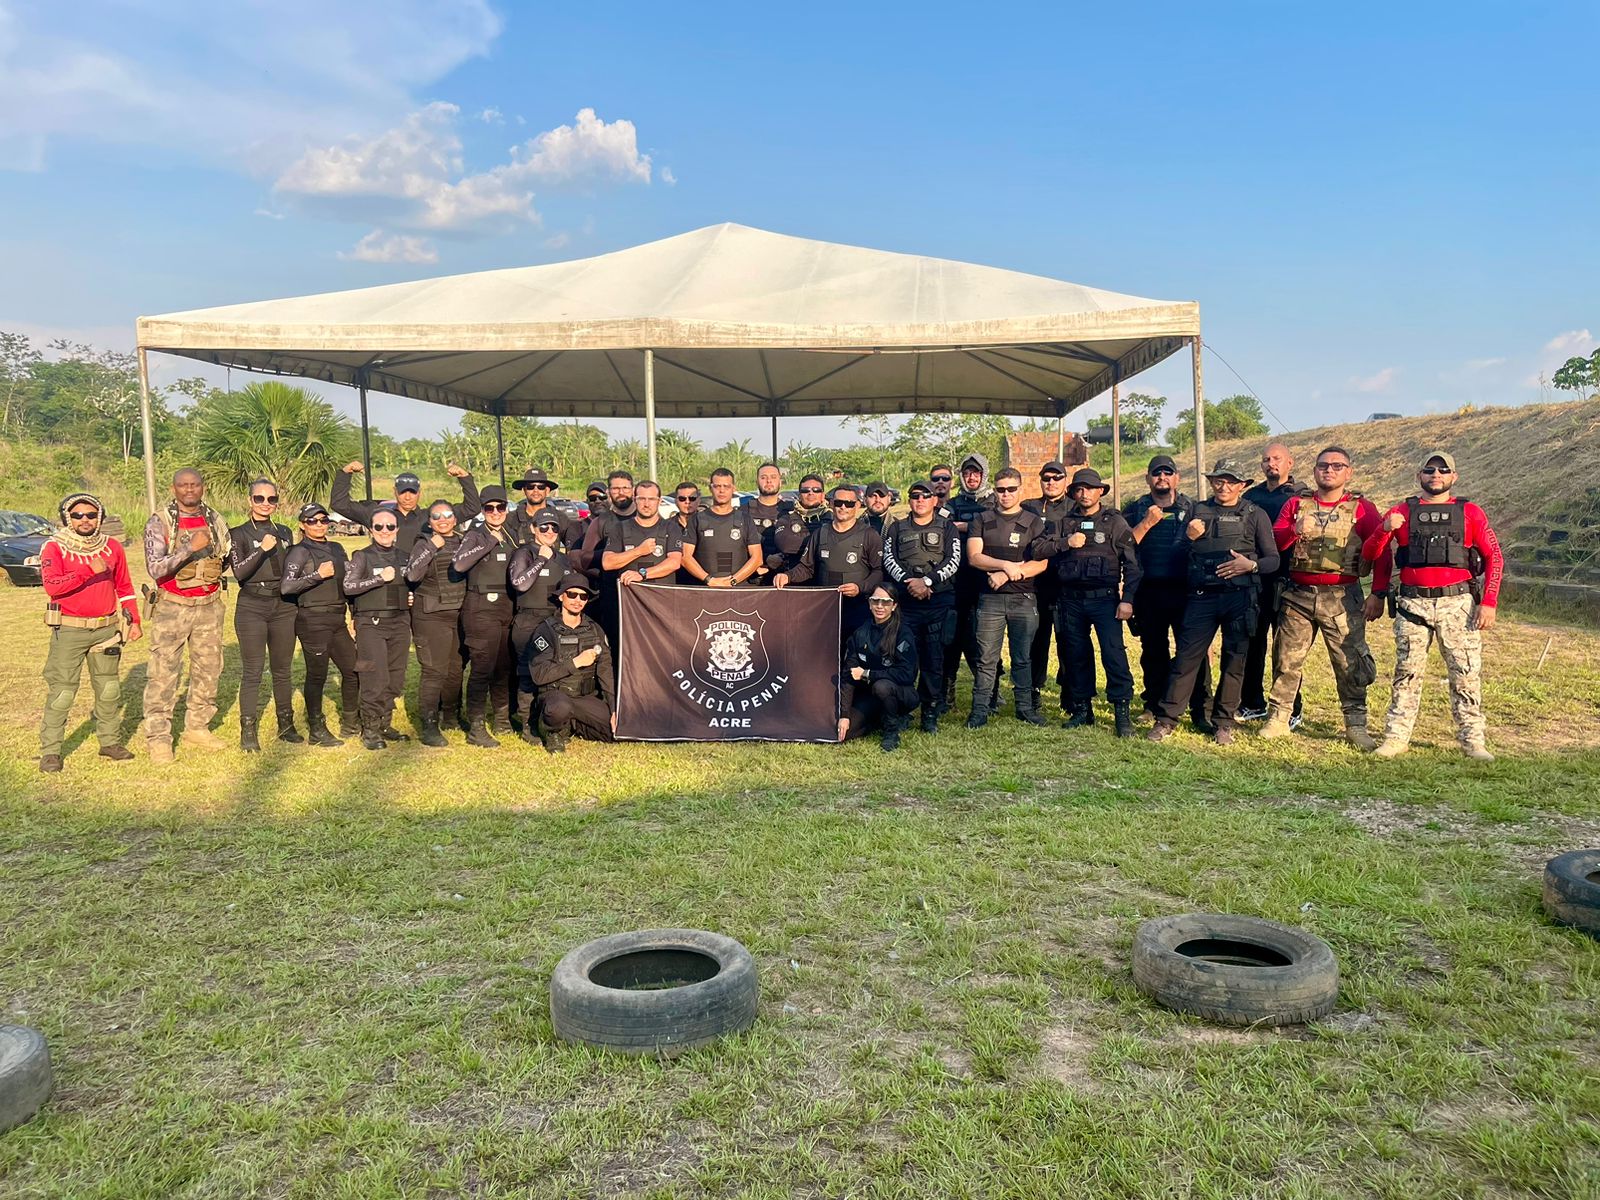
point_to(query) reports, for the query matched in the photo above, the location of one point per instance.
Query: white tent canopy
(726, 321)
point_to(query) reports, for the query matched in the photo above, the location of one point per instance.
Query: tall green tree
(1232, 417)
(1580, 375)
(290, 435)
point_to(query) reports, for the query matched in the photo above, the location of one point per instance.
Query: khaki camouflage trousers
(170, 628)
(1421, 620)
(70, 649)
(1336, 614)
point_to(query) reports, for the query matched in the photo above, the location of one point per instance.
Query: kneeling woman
(880, 668)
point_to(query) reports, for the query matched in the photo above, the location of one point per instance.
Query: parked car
(22, 536)
(1384, 417)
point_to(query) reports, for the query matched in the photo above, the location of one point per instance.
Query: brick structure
(1027, 452)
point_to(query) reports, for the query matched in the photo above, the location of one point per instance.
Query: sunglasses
(811, 491)
(384, 528)
(922, 495)
(494, 506)
(314, 521)
(84, 516)
(436, 518)
(575, 594)
(263, 499)
(1052, 477)
(942, 478)
(688, 499)
(880, 602)
(1437, 471)
(528, 487)
(1333, 466)
(1013, 488)
(847, 504)
(1162, 471)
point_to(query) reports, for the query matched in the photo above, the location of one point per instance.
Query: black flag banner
(717, 664)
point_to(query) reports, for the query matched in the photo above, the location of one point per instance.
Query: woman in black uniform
(263, 619)
(313, 574)
(880, 669)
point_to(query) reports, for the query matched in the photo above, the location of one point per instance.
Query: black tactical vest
(569, 644)
(764, 517)
(841, 557)
(1227, 530)
(540, 596)
(442, 589)
(630, 534)
(1436, 535)
(330, 592)
(920, 549)
(720, 541)
(492, 572)
(388, 597)
(1095, 563)
(1160, 553)
(246, 539)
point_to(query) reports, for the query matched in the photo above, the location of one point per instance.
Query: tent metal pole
(650, 407)
(500, 446)
(366, 436)
(1116, 440)
(1061, 438)
(144, 426)
(774, 435)
(1199, 420)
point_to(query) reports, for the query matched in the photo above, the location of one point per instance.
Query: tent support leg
(1061, 438)
(366, 438)
(650, 407)
(1116, 439)
(500, 446)
(144, 427)
(774, 435)
(1199, 422)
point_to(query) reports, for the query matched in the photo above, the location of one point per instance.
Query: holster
(52, 615)
(152, 597)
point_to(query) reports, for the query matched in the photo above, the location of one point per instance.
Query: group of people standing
(514, 616)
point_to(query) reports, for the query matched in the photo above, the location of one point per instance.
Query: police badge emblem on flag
(730, 654)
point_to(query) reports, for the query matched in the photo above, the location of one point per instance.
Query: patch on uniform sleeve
(541, 643)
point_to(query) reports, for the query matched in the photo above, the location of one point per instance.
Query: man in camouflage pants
(1441, 541)
(185, 549)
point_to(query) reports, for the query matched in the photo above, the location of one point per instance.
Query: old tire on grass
(1235, 970)
(1572, 890)
(25, 1076)
(654, 991)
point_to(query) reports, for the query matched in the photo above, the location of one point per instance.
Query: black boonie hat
(535, 475)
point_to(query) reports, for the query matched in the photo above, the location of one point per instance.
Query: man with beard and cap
(722, 547)
(313, 577)
(407, 494)
(1229, 544)
(1007, 550)
(375, 583)
(878, 502)
(484, 557)
(1321, 536)
(1053, 505)
(921, 557)
(537, 489)
(572, 669)
(537, 568)
(1450, 571)
(1158, 520)
(1096, 564)
(646, 547)
(846, 555)
(961, 509)
(438, 592)
(788, 538)
(1277, 486)
(91, 612)
(186, 547)
(264, 618)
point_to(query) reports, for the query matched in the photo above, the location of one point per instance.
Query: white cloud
(269, 214)
(1574, 341)
(251, 90)
(557, 240)
(1483, 364)
(668, 178)
(379, 247)
(413, 176)
(1380, 382)
(492, 116)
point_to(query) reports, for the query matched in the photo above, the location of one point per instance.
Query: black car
(22, 536)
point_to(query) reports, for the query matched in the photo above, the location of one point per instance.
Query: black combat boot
(430, 732)
(349, 725)
(891, 733)
(1198, 718)
(479, 735)
(1124, 718)
(930, 720)
(372, 736)
(1029, 716)
(317, 728)
(390, 734)
(1082, 714)
(248, 741)
(286, 730)
(555, 742)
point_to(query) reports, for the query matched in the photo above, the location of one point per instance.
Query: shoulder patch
(541, 642)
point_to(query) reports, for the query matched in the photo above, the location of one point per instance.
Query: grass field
(322, 973)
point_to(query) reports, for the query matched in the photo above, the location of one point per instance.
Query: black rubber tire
(1301, 984)
(617, 1015)
(25, 1076)
(1571, 897)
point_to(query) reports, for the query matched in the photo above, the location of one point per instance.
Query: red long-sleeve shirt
(1368, 521)
(88, 587)
(1478, 534)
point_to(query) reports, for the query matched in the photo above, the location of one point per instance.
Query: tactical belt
(190, 601)
(1410, 591)
(262, 587)
(1319, 587)
(381, 612)
(1087, 593)
(321, 607)
(87, 622)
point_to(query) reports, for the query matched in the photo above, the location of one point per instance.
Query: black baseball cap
(547, 517)
(406, 482)
(1053, 465)
(1161, 460)
(313, 509)
(921, 485)
(493, 492)
(877, 488)
(572, 579)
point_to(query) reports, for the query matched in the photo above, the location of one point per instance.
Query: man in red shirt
(1320, 536)
(92, 612)
(1443, 544)
(186, 546)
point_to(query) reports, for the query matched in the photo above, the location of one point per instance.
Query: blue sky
(1379, 207)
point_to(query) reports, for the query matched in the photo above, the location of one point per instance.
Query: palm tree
(287, 434)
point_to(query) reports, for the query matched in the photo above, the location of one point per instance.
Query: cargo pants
(1421, 619)
(171, 627)
(1335, 612)
(63, 669)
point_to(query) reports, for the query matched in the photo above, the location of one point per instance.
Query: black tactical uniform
(766, 518)
(964, 506)
(264, 623)
(486, 615)
(787, 538)
(1253, 696)
(721, 541)
(1215, 603)
(1158, 608)
(931, 553)
(535, 580)
(319, 623)
(572, 698)
(1054, 512)
(383, 636)
(1091, 581)
(412, 524)
(1007, 614)
(438, 593)
(832, 559)
(626, 536)
(885, 694)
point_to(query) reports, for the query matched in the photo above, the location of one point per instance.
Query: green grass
(323, 973)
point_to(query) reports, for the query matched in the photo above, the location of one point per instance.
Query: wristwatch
(927, 581)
